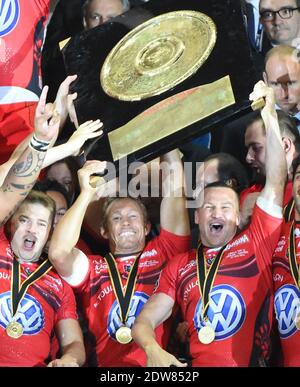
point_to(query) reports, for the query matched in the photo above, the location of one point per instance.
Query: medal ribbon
(293, 257)
(123, 298)
(206, 278)
(19, 290)
(288, 210)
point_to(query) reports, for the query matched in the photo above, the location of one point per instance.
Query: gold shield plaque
(158, 55)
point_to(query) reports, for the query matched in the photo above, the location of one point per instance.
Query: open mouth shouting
(216, 227)
(29, 242)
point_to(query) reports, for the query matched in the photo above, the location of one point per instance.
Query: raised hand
(261, 90)
(64, 101)
(85, 175)
(86, 131)
(46, 120)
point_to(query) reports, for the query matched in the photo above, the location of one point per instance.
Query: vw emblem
(226, 312)
(9, 15)
(114, 317)
(30, 313)
(287, 307)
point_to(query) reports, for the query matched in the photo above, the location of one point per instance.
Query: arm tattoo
(31, 166)
(22, 167)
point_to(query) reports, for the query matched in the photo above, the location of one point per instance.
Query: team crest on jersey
(9, 15)
(226, 312)
(114, 321)
(287, 307)
(30, 313)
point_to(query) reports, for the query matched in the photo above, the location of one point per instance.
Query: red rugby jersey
(47, 301)
(287, 297)
(241, 298)
(101, 308)
(22, 31)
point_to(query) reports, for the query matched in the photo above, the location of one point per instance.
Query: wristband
(39, 145)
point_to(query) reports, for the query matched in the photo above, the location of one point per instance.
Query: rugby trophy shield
(161, 74)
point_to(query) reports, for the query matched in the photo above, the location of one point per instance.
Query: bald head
(282, 73)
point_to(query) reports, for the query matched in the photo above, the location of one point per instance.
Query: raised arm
(64, 102)
(173, 211)
(24, 171)
(67, 260)
(85, 131)
(155, 312)
(276, 165)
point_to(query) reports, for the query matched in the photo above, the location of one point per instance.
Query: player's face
(30, 227)
(283, 76)
(218, 217)
(255, 142)
(101, 11)
(280, 30)
(126, 229)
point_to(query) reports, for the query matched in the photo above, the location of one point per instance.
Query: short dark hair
(221, 184)
(287, 126)
(110, 200)
(230, 168)
(53, 185)
(35, 197)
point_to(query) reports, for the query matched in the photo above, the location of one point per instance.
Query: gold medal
(123, 335)
(206, 335)
(14, 330)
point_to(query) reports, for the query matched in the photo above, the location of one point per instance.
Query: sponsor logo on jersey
(277, 278)
(114, 320)
(4, 275)
(9, 16)
(186, 268)
(30, 313)
(188, 288)
(149, 263)
(239, 241)
(150, 253)
(226, 312)
(287, 307)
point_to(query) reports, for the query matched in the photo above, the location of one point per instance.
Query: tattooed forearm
(20, 168)
(30, 166)
(19, 181)
(22, 187)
